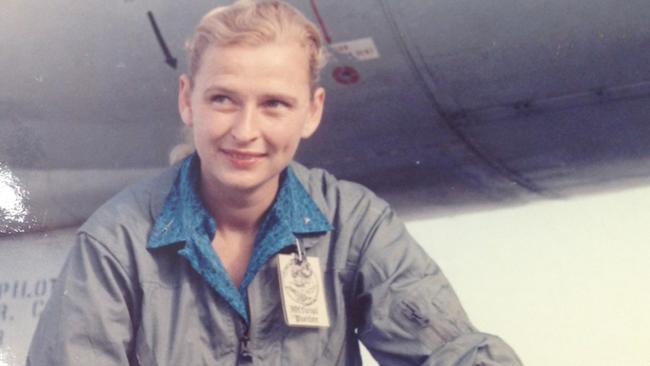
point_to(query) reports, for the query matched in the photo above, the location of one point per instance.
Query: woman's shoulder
(133, 210)
(340, 196)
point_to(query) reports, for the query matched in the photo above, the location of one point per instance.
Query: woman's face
(249, 108)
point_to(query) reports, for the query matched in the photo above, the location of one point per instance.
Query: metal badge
(302, 290)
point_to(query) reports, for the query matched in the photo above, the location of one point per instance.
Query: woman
(237, 255)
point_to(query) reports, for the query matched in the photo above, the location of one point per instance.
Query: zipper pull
(244, 352)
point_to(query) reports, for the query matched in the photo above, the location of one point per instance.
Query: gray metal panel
(553, 95)
(494, 52)
(387, 120)
(565, 148)
(470, 102)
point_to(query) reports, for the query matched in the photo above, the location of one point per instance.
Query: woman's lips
(242, 159)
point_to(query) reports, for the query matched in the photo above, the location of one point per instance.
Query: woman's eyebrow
(220, 89)
(273, 95)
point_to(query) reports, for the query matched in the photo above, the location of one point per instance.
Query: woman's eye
(219, 99)
(275, 103)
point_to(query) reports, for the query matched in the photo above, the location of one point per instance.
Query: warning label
(362, 49)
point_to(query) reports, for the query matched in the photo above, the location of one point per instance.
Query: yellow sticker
(302, 290)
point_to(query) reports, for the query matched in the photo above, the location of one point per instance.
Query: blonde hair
(254, 23)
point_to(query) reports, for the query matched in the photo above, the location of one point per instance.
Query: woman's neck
(237, 210)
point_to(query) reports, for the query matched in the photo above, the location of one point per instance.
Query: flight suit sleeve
(88, 318)
(409, 313)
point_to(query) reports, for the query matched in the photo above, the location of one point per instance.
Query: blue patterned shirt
(184, 218)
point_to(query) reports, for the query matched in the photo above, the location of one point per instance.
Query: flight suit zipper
(245, 354)
(244, 339)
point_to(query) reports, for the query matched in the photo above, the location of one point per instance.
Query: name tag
(302, 291)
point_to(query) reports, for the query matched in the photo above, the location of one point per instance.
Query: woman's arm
(410, 315)
(89, 317)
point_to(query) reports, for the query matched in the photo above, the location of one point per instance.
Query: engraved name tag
(302, 290)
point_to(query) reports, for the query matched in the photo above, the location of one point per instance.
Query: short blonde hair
(250, 22)
(254, 23)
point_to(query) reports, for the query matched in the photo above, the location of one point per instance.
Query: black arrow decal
(169, 59)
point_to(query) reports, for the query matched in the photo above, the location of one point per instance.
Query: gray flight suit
(117, 303)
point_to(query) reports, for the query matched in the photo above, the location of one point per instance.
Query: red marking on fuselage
(346, 75)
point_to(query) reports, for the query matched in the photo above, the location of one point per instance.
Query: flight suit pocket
(433, 312)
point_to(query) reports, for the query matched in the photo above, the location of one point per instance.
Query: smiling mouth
(242, 156)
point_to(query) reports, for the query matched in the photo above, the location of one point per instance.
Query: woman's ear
(315, 113)
(184, 99)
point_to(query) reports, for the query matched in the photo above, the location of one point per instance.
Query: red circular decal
(345, 75)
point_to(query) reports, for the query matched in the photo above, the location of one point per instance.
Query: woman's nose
(244, 128)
